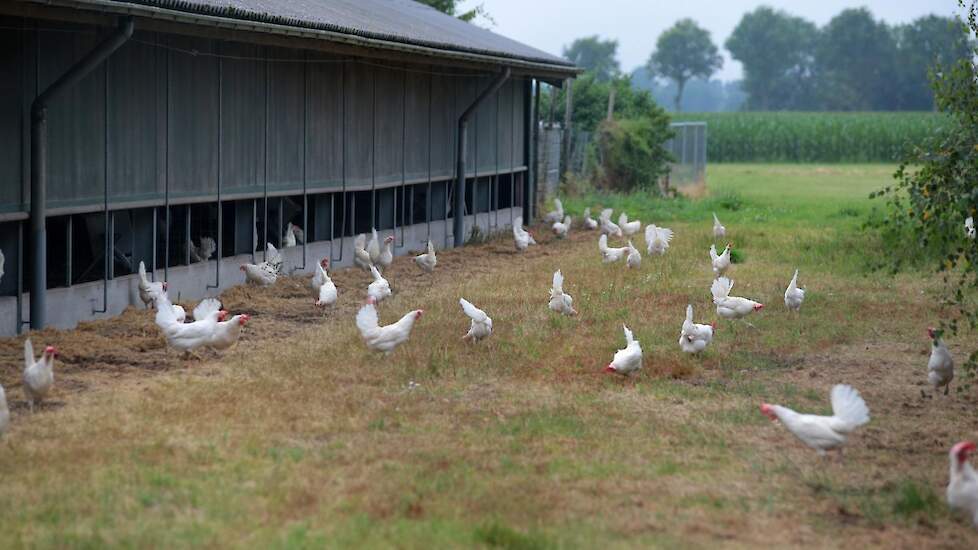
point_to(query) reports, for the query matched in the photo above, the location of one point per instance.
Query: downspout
(458, 225)
(39, 130)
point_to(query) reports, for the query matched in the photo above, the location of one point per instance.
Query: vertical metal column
(20, 277)
(220, 169)
(187, 229)
(495, 196)
(264, 228)
(373, 150)
(427, 210)
(512, 161)
(400, 242)
(305, 140)
(69, 238)
(332, 209)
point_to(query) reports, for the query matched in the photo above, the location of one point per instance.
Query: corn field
(813, 137)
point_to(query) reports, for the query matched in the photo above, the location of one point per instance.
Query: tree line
(853, 63)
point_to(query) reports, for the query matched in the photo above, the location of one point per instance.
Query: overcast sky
(551, 24)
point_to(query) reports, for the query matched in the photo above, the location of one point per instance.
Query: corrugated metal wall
(178, 116)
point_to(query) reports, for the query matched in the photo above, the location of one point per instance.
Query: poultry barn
(186, 134)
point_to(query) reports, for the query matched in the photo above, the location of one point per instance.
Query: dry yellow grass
(301, 437)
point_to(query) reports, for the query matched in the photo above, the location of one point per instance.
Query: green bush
(631, 154)
(814, 137)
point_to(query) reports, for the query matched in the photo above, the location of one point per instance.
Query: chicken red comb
(50, 349)
(962, 449)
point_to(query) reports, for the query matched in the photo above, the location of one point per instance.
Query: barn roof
(377, 23)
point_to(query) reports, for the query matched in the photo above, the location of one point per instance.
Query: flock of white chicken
(212, 328)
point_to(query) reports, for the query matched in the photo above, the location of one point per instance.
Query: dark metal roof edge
(176, 10)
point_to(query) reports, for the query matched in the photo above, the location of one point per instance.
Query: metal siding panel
(467, 92)
(390, 123)
(487, 130)
(242, 118)
(506, 126)
(193, 118)
(76, 119)
(286, 88)
(12, 91)
(324, 104)
(418, 89)
(442, 126)
(519, 116)
(131, 117)
(359, 123)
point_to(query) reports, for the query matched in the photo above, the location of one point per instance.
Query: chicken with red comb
(962, 490)
(38, 373)
(824, 433)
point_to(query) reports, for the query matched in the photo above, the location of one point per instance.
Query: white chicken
(481, 325)
(560, 301)
(628, 228)
(634, 259)
(940, 366)
(694, 337)
(657, 239)
(720, 262)
(4, 412)
(322, 286)
(379, 288)
(203, 252)
(731, 307)
(629, 359)
(428, 260)
(824, 433)
(361, 258)
(561, 229)
(609, 227)
(719, 231)
(149, 289)
(386, 256)
(520, 236)
(388, 337)
(186, 337)
(228, 331)
(589, 222)
(794, 296)
(38, 373)
(265, 273)
(962, 489)
(610, 254)
(288, 238)
(556, 214)
(969, 231)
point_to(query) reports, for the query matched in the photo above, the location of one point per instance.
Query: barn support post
(531, 136)
(458, 227)
(39, 130)
(220, 171)
(20, 277)
(568, 111)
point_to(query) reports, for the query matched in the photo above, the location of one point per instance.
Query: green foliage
(775, 50)
(913, 500)
(936, 188)
(855, 62)
(451, 8)
(631, 152)
(496, 535)
(682, 52)
(590, 102)
(814, 137)
(597, 57)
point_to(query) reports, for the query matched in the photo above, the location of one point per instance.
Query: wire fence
(688, 148)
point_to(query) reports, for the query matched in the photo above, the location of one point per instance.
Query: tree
(595, 56)
(451, 8)
(855, 61)
(682, 52)
(922, 44)
(936, 189)
(777, 52)
(590, 101)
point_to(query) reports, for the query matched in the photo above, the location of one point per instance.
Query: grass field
(299, 437)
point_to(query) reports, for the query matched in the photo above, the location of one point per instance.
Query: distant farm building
(155, 127)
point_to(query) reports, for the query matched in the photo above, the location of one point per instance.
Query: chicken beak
(758, 307)
(609, 368)
(244, 319)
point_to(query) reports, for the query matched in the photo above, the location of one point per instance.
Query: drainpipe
(458, 227)
(39, 131)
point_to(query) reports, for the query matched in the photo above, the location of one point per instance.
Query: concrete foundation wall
(67, 306)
